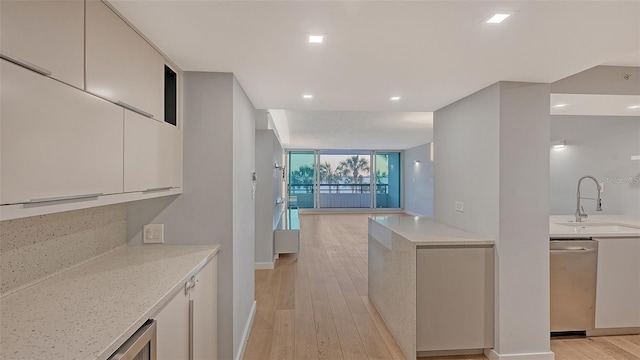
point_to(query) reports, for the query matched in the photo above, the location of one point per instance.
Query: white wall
(600, 80)
(216, 205)
(491, 153)
(243, 213)
(268, 153)
(523, 241)
(418, 181)
(600, 146)
(466, 164)
(264, 199)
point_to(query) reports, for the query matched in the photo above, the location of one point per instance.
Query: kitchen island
(89, 310)
(407, 282)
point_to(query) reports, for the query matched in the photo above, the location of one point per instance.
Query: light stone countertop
(90, 310)
(564, 226)
(424, 231)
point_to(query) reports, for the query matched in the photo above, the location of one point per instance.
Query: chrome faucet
(579, 209)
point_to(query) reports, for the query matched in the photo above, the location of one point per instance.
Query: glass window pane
(344, 180)
(388, 192)
(301, 177)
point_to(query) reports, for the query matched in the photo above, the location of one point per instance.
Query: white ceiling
(431, 53)
(632, 59)
(353, 130)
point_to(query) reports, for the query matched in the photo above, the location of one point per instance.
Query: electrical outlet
(153, 234)
(459, 206)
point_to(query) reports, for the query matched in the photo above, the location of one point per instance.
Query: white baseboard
(493, 355)
(614, 331)
(247, 331)
(264, 265)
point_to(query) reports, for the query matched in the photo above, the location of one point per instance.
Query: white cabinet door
(174, 320)
(618, 284)
(48, 34)
(173, 329)
(454, 298)
(121, 65)
(56, 140)
(204, 296)
(151, 153)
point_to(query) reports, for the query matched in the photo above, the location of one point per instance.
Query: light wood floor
(315, 306)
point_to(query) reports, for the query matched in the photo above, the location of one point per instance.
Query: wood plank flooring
(315, 305)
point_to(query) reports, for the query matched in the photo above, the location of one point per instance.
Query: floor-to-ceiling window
(387, 175)
(301, 179)
(344, 179)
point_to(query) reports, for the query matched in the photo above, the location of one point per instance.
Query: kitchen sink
(600, 228)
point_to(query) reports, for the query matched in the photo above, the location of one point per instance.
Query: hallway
(316, 306)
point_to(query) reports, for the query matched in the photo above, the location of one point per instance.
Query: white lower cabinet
(454, 298)
(152, 157)
(205, 329)
(189, 321)
(173, 329)
(56, 141)
(618, 284)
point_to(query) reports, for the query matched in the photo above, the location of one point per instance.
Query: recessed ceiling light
(497, 18)
(395, 98)
(316, 39)
(307, 96)
(634, 107)
(560, 105)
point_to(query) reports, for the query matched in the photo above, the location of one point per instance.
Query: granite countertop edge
(48, 296)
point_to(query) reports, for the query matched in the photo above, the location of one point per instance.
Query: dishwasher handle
(573, 251)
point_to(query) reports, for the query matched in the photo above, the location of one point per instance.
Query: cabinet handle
(61, 198)
(189, 285)
(25, 64)
(134, 109)
(190, 329)
(158, 189)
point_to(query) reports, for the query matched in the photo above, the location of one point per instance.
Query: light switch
(153, 234)
(459, 206)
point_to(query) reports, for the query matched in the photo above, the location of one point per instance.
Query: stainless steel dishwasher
(574, 264)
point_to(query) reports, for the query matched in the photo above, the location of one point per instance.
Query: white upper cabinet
(47, 34)
(56, 140)
(151, 154)
(121, 65)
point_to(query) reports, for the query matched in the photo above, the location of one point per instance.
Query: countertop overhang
(90, 310)
(424, 231)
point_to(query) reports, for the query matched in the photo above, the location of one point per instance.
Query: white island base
(432, 284)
